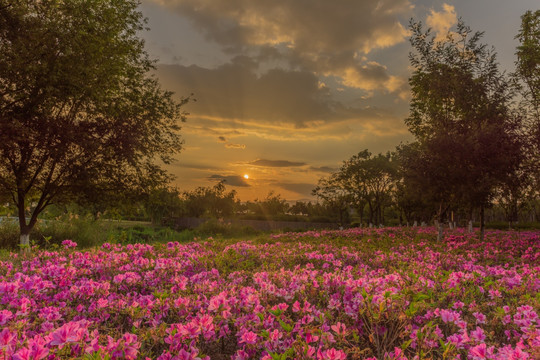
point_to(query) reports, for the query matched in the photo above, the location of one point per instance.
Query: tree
(210, 201)
(528, 65)
(467, 136)
(369, 180)
(331, 191)
(163, 203)
(78, 110)
(270, 207)
(528, 74)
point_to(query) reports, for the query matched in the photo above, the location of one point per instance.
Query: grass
(87, 232)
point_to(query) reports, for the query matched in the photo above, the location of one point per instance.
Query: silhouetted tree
(78, 109)
(163, 203)
(210, 201)
(333, 194)
(369, 180)
(459, 113)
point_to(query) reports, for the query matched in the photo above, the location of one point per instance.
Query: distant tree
(299, 208)
(337, 199)
(163, 203)
(271, 206)
(459, 113)
(78, 109)
(369, 180)
(213, 201)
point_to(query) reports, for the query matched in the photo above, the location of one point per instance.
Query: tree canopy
(79, 112)
(460, 114)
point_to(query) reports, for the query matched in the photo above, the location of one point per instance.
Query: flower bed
(352, 294)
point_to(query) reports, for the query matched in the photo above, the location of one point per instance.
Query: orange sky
(285, 93)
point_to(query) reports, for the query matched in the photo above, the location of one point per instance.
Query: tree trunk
(471, 221)
(440, 233)
(482, 223)
(440, 223)
(25, 240)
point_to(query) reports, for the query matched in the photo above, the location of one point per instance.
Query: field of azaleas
(390, 293)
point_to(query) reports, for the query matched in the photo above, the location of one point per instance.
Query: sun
(246, 176)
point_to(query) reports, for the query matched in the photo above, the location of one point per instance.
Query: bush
(9, 233)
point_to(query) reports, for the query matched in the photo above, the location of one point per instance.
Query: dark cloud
(276, 163)
(235, 91)
(364, 25)
(323, 169)
(222, 139)
(195, 166)
(299, 188)
(327, 37)
(232, 180)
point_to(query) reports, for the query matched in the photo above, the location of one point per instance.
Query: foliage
(163, 203)
(335, 196)
(209, 201)
(270, 207)
(80, 118)
(528, 66)
(459, 113)
(369, 180)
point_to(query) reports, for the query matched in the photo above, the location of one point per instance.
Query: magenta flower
(478, 352)
(339, 328)
(248, 337)
(67, 333)
(332, 354)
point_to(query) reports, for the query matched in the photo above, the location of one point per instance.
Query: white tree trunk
(25, 239)
(440, 233)
(470, 226)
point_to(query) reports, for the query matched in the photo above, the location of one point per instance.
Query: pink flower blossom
(248, 337)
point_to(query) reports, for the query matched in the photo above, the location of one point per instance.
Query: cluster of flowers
(353, 294)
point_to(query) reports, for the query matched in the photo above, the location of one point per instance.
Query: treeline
(165, 204)
(477, 136)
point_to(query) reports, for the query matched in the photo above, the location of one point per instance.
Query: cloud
(324, 38)
(365, 25)
(441, 22)
(235, 146)
(222, 139)
(323, 169)
(232, 180)
(235, 91)
(299, 188)
(276, 163)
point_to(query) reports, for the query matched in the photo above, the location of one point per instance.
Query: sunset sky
(288, 89)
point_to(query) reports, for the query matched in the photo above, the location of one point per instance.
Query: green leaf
(276, 312)
(288, 328)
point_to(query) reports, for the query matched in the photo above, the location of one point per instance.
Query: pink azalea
(478, 352)
(332, 354)
(67, 333)
(248, 337)
(478, 334)
(339, 328)
(5, 316)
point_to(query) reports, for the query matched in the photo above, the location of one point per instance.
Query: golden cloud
(441, 21)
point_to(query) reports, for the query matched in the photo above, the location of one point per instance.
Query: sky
(286, 90)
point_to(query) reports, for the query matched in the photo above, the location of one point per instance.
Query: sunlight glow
(246, 176)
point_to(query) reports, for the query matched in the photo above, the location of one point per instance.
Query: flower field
(354, 294)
